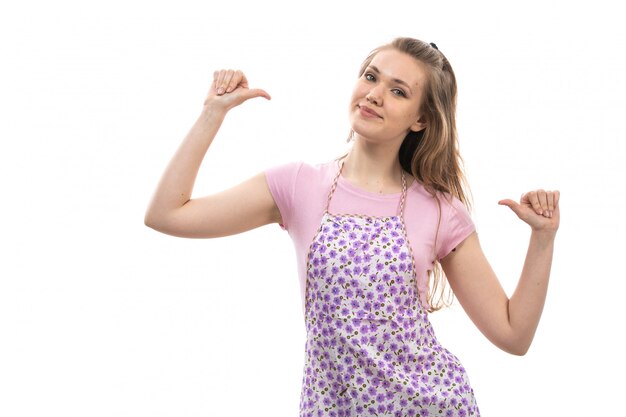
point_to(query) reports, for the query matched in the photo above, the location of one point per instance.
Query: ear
(420, 124)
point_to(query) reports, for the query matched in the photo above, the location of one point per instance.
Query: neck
(373, 167)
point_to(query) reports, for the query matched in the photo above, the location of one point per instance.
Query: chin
(369, 136)
(372, 136)
(363, 128)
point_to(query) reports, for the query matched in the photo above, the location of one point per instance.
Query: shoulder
(301, 172)
(446, 202)
(454, 206)
(442, 211)
(284, 170)
(298, 189)
(440, 215)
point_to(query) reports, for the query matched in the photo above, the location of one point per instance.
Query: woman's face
(385, 103)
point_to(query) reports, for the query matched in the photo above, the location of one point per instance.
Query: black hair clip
(434, 46)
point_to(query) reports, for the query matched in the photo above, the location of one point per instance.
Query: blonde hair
(432, 154)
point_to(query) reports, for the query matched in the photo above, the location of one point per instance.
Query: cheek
(409, 114)
(359, 91)
(354, 97)
(413, 111)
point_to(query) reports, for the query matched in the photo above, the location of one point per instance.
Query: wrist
(211, 110)
(543, 235)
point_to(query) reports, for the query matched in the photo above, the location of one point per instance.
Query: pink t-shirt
(301, 192)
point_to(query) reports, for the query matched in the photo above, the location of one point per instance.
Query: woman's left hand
(539, 208)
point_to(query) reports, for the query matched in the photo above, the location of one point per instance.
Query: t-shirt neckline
(347, 185)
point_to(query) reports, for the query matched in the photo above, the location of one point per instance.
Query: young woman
(374, 232)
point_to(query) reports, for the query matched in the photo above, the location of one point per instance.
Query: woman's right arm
(243, 207)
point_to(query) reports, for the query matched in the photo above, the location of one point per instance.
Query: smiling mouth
(368, 112)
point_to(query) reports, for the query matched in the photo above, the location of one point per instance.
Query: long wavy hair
(432, 154)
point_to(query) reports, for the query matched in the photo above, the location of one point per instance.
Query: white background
(102, 316)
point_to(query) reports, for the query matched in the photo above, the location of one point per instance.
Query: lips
(367, 112)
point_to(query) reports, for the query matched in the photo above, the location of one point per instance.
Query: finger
(216, 75)
(244, 81)
(225, 76)
(506, 202)
(219, 82)
(543, 202)
(257, 92)
(550, 197)
(533, 200)
(234, 81)
(228, 77)
(557, 197)
(512, 205)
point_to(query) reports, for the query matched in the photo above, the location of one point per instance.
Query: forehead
(395, 64)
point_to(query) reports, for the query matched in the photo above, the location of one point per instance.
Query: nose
(374, 96)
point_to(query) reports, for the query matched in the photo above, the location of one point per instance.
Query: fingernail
(220, 90)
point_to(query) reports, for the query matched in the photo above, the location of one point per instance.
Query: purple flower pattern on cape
(370, 349)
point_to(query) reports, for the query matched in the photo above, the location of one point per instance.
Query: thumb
(512, 205)
(256, 92)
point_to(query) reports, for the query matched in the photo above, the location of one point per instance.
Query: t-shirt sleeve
(281, 181)
(456, 226)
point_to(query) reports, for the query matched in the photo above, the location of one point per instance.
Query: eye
(369, 76)
(398, 92)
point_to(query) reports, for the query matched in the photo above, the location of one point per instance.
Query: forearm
(176, 184)
(526, 303)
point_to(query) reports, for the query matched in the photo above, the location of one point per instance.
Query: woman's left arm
(510, 324)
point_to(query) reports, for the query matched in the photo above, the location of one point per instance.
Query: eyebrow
(397, 80)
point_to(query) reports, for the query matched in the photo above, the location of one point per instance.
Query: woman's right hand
(229, 89)
(240, 208)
